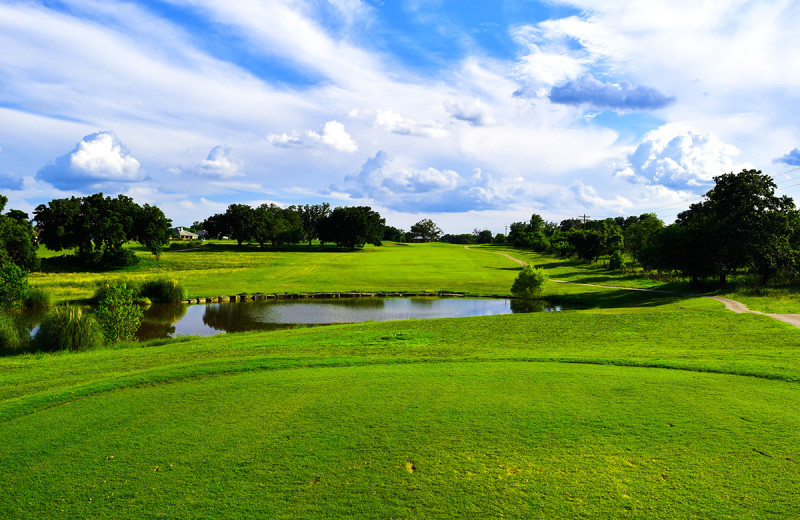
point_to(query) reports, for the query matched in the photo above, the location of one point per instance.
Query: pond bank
(244, 297)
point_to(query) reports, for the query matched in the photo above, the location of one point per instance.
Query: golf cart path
(731, 305)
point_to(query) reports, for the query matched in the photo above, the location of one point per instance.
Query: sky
(472, 113)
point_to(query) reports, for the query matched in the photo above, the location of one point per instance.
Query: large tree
(311, 216)
(17, 244)
(741, 223)
(98, 226)
(426, 229)
(353, 226)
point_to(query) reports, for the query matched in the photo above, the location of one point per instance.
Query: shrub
(617, 261)
(118, 314)
(163, 290)
(529, 283)
(68, 328)
(12, 335)
(13, 285)
(103, 287)
(37, 299)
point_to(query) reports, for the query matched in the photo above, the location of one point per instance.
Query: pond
(170, 320)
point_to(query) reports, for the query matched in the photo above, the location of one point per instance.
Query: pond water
(170, 320)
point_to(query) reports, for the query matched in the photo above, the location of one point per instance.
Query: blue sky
(473, 113)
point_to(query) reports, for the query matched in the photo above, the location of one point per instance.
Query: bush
(118, 314)
(37, 299)
(163, 290)
(68, 328)
(103, 288)
(529, 283)
(617, 261)
(13, 286)
(12, 335)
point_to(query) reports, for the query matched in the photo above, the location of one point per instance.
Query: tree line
(349, 226)
(741, 225)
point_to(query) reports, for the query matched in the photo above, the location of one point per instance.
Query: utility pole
(584, 218)
(506, 229)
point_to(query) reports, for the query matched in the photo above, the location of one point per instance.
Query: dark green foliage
(117, 314)
(529, 282)
(617, 261)
(311, 216)
(640, 233)
(277, 225)
(588, 244)
(163, 290)
(152, 229)
(68, 328)
(37, 299)
(463, 238)
(353, 226)
(425, 229)
(393, 234)
(98, 226)
(482, 236)
(741, 223)
(13, 286)
(17, 244)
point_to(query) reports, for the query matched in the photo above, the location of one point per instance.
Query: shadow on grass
(291, 248)
(615, 299)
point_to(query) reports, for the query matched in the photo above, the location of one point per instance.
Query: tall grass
(163, 290)
(68, 328)
(12, 335)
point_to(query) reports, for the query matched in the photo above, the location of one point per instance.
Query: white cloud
(474, 112)
(679, 157)
(218, 163)
(391, 121)
(334, 135)
(285, 140)
(97, 159)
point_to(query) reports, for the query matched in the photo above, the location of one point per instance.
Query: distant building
(183, 234)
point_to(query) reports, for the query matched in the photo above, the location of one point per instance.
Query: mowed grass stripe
(415, 441)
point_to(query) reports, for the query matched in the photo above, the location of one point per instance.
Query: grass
(648, 405)
(681, 408)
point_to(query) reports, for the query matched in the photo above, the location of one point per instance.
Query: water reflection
(169, 320)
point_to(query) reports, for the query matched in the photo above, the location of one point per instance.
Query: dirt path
(731, 305)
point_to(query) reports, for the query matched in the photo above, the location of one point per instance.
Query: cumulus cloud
(791, 159)
(99, 158)
(587, 90)
(405, 189)
(218, 163)
(10, 181)
(391, 121)
(285, 140)
(475, 112)
(680, 158)
(334, 135)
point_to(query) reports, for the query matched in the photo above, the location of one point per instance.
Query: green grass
(650, 405)
(682, 408)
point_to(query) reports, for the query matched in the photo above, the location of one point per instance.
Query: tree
(353, 227)
(588, 244)
(118, 315)
(17, 244)
(741, 223)
(152, 229)
(529, 283)
(426, 229)
(482, 236)
(311, 216)
(393, 234)
(240, 220)
(13, 285)
(639, 235)
(99, 226)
